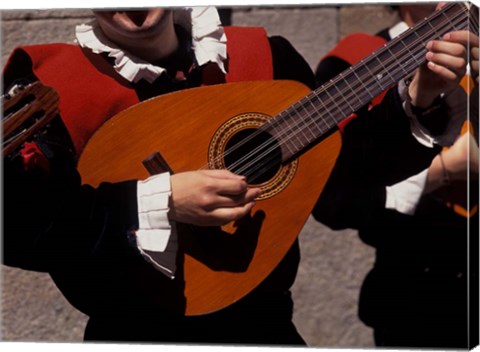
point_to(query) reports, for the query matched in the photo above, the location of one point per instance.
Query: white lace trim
(203, 23)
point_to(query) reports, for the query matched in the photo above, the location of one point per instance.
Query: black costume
(79, 235)
(416, 293)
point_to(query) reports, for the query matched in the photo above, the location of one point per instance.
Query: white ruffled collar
(397, 29)
(203, 24)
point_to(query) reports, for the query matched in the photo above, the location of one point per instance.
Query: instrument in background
(26, 111)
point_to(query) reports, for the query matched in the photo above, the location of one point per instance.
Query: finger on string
(223, 174)
(457, 65)
(225, 215)
(445, 73)
(223, 200)
(465, 38)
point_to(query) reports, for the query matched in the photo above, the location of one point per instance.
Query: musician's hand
(210, 197)
(455, 161)
(471, 42)
(445, 67)
(461, 157)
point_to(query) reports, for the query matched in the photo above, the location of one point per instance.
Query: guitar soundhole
(240, 146)
(253, 154)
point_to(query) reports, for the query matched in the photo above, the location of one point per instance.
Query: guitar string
(358, 83)
(369, 78)
(289, 116)
(264, 166)
(258, 158)
(408, 49)
(438, 14)
(352, 89)
(289, 112)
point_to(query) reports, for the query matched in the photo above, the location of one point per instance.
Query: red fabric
(341, 125)
(80, 77)
(249, 54)
(352, 49)
(79, 83)
(33, 158)
(355, 47)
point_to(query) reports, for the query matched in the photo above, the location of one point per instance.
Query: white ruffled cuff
(456, 104)
(404, 196)
(418, 131)
(156, 236)
(153, 195)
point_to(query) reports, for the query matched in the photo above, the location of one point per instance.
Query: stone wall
(333, 263)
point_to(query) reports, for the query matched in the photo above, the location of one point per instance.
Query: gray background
(333, 264)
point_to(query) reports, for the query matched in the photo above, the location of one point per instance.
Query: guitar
(260, 130)
(26, 110)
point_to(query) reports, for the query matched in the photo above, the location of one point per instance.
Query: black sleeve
(329, 68)
(50, 219)
(378, 149)
(289, 64)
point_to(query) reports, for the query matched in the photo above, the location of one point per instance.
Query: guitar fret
(305, 127)
(414, 60)
(431, 26)
(309, 101)
(315, 93)
(287, 142)
(288, 145)
(387, 73)
(352, 89)
(331, 98)
(307, 122)
(343, 98)
(366, 97)
(374, 76)
(325, 106)
(361, 81)
(346, 81)
(297, 142)
(311, 112)
(405, 72)
(295, 116)
(453, 27)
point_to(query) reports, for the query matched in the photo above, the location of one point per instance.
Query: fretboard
(303, 123)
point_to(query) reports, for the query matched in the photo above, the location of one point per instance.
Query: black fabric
(372, 156)
(416, 293)
(264, 321)
(289, 64)
(81, 236)
(330, 67)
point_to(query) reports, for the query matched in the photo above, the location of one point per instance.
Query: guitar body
(217, 266)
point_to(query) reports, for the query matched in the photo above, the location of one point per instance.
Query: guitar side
(220, 268)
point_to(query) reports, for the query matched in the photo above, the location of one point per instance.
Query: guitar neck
(26, 112)
(304, 123)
